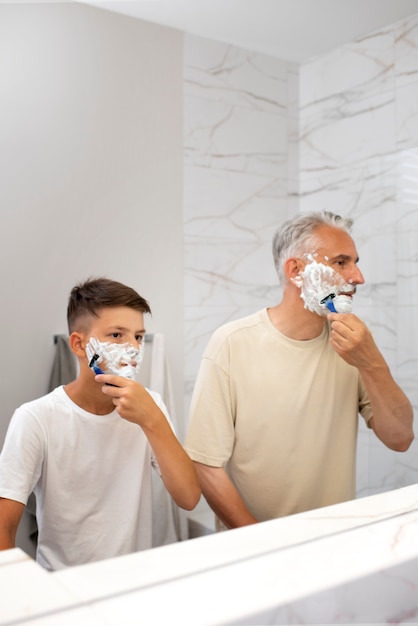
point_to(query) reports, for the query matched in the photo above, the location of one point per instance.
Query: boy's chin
(128, 373)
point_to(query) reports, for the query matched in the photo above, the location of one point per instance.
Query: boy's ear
(77, 344)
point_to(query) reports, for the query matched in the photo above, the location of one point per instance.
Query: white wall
(91, 178)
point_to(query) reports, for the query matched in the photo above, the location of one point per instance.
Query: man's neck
(296, 322)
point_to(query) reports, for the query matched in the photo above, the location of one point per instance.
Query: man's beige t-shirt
(280, 415)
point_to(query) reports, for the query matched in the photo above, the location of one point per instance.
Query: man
(274, 414)
(87, 449)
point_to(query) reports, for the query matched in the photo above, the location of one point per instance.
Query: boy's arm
(134, 403)
(177, 469)
(10, 516)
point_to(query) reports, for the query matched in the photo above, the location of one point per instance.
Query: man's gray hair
(297, 236)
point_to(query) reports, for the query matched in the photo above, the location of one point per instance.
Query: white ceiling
(289, 29)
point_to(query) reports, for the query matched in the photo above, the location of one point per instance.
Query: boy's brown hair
(89, 298)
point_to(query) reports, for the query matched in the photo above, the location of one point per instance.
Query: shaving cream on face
(343, 304)
(318, 282)
(121, 359)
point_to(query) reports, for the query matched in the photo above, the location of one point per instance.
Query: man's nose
(356, 276)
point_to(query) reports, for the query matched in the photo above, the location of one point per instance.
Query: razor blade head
(328, 298)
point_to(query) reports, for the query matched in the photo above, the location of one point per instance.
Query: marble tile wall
(238, 111)
(358, 154)
(265, 138)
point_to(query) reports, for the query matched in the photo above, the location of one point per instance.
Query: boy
(86, 449)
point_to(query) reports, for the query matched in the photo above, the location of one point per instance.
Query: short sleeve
(22, 457)
(211, 433)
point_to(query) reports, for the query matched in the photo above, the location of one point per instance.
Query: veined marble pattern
(364, 575)
(349, 132)
(365, 192)
(368, 69)
(233, 138)
(236, 172)
(232, 75)
(407, 195)
(406, 81)
(358, 156)
(264, 139)
(232, 205)
(350, 563)
(406, 51)
(234, 280)
(407, 116)
(347, 98)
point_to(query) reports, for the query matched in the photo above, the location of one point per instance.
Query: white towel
(64, 367)
(170, 522)
(160, 378)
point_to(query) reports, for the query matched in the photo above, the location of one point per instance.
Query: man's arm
(134, 403)
(222, 496)
(392, 411)
(10, 516)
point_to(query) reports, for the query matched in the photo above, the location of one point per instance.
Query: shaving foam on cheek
(121, 359)
(318, 282)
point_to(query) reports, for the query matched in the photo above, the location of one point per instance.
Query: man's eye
(115, 335)
(139, 338)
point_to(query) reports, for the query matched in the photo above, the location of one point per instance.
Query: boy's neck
(89, 397)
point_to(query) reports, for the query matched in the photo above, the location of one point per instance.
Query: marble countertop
(352, 561)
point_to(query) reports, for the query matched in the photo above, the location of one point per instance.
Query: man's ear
(292, 269)
(77, 344)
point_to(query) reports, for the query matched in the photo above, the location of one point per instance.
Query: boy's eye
(139, 338)
(115, 335)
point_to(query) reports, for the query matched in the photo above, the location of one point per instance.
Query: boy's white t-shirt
(91, 475)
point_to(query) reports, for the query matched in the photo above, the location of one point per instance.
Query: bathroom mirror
(165, 160)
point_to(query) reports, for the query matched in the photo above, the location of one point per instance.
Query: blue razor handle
(330, 306)
(96, 369)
